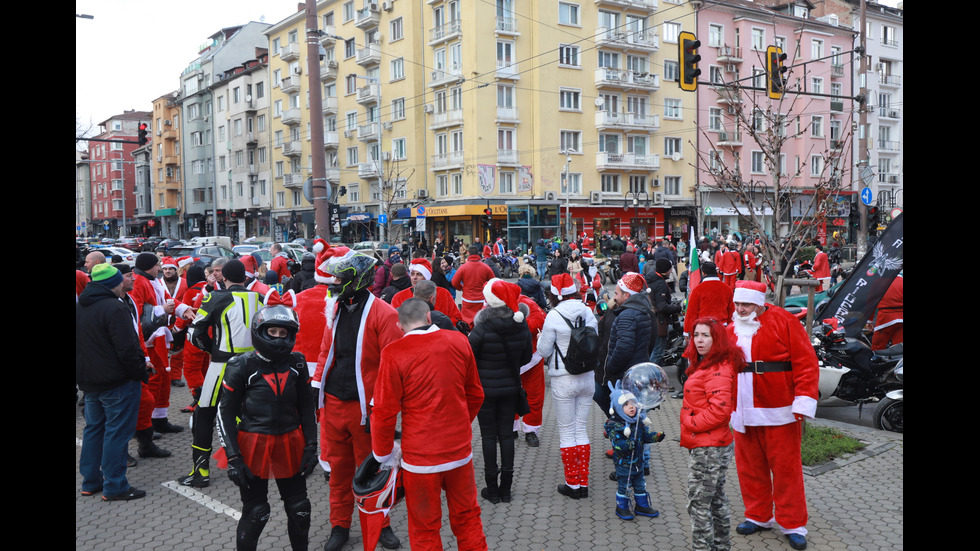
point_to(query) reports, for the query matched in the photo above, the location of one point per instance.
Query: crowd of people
(364, 340)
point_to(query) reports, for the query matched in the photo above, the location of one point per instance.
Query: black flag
(855, 301)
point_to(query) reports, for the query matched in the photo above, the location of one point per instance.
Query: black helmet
(272, 348)
(353, 271)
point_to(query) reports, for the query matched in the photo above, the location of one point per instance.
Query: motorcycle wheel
(507, 272)
(889, 415)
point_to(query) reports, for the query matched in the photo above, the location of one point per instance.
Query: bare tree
(392, 189)
(795, 200)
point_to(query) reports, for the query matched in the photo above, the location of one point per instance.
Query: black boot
(506, 480)
(148, 448)
(298, 524)
(338, 537)
(200, 476)
(250, 527)
(492, 492)
(163, 425)
(388, 539)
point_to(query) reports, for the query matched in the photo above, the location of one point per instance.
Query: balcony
(445, 32)
(293, 181)
(729, 54)
(330, 139)
(508, 115)
(368, 170)
(625, 121)
(644, 40)
(328, 70)
(368, 18)
(291, 84)
(508, 157)
(626, 161)
(292, 149)
(328, 36)
(728, 95)
(893, 81)
(442, 77)
(507, 26)
(330, 105)
(289, 52)
(889, 146)
(729, 138)
(836, 70)
(332, 174)
(292, 116)
(442, 119)
(442, 161)
(646, 5)
(507, 69)
(889, 113)
(369, 132)
(251, 138)
(608, 77)
(369, 56)
(369, 95)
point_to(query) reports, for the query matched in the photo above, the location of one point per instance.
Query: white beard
(746, 326)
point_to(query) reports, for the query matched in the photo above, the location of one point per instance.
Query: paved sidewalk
(854, 505)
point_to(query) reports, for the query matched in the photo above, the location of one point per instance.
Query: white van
(220, 241)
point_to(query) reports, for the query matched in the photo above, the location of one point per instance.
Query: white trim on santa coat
(328, 363)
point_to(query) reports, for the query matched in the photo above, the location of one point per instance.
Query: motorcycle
(609, 272)
(508, 264)
(673, 352)
(851, 373)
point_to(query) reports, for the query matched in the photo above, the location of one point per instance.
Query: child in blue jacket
(629, 429)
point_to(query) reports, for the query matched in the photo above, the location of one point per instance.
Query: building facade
(166, 168)
(112, 175)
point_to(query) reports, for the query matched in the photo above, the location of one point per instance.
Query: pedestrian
(269, 430)
(710, 299)
(420, 270)
(889, 322)
(821, 268)
(663, 306)
(709, 395)
(541, 258)
(430, 377)
(630, 430)
(532, 377)
(109, 368)
(399, 282)
(571, 393)
(775, 391)
(358, 327)
(501, 343)
(470, 278)
(195, 360)
(382, 277)
(531, 286)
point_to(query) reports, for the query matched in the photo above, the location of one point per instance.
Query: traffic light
(775, 72)
(141, 134)
(688, 45)
(488, 218)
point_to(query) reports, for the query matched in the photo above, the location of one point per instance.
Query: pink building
(113, 174)
(735, 35)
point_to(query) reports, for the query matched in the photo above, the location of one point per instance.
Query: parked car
(131, 243)
(128, 256)
(379, 249)
(206, 253)
(245, 249)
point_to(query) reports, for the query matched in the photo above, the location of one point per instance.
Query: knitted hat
(146, 261)
(234, 271)
(631, 283)
(619, 398)
(123, 268)
(421, 266)
(663, 265)
(251, 266)
(563, 284)
(168, 262)
(498, 292)
(106, 275)
(752, 292)
(195, 275)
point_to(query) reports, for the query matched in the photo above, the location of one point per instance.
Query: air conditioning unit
(658, 198)
(387, 5)
(595, 197)
(297, 70)
(731, 68)
(422, 194)
(386, 155)
(428, 108)
(166, 122)
(348, 133)
(170, 172)
(550, 196)
(386, 125)
(333, 64)
(732, 110)
(655, 182)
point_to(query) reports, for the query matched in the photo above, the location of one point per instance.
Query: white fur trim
(491, 299)
(624, 288)
(748, 295)
(420, 269)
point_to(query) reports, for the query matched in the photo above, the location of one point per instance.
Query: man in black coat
(660, 296)
(110, 366)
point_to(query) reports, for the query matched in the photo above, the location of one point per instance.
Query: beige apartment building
(462, 106)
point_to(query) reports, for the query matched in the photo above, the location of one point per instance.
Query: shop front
(642, 223)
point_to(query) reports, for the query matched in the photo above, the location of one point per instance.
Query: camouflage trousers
(706, 500)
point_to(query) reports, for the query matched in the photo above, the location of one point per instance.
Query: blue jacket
(629, 338)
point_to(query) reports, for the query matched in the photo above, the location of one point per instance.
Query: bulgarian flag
(693, 263)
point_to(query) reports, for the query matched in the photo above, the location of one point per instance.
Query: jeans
(542, 268)
(110, 422)
(658, 349)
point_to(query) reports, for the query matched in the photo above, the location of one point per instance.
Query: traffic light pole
(321, 205)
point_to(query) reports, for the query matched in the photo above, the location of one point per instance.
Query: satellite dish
(599, 102)
(248, 98)
(376, 37)
(675, 157)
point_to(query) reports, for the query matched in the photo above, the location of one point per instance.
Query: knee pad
(298, 510)
(259, 512)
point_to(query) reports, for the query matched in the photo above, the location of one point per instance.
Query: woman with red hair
(709, 395)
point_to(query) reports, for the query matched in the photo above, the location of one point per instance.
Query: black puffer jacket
(107, 347)
(305, 277)
(501, 346)
(629, 338)
(531, 288)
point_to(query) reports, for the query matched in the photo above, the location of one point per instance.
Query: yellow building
(461, 106)
(165, 165)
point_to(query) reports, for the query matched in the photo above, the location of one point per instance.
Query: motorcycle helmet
(270, 348)
(352, 272)
(377, 489)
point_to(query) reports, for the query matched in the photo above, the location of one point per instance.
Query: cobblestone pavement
(855, 504)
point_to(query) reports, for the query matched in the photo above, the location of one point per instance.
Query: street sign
(420, 210)
(867, 196)
(382, 218)
(419, 223)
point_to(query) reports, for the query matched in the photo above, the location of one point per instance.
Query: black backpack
(583, 348)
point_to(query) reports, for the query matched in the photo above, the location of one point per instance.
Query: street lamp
(568, 220)
(635, 233)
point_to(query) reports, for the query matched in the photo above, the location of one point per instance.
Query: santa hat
(752, 292)
(421, 266)
(562, 284)
(168, 262)
(184, 261)
(324, 252)
(251, 266)
(498, 292)
(631, 283)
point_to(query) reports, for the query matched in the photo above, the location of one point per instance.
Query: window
(505, 139)
(350, 49)
(889, 35)
(262, 156)
(505, 55)
(442, 185)
(610, 183)
(716, 36)
(637, 145)
(672, 71)
(568, 55)
(259, 90)
(816, 165)
(236, 95)
(817, 87)
(352, 156)
(197, 138)
(671, 31)
(221, 103)
(816, 49)
(280, 169)
(758, 39)
(570, 100)
(506, 182)
(574, 183)
(672, 185)
(398, 109)
(457, 184)
(672, 108)
(714, 118)
(671, 146)
(238, 127)
(277, 138)
(398, 151)
(716, 160)
(277, 78)
(260, 123)
(397, 69)
(348, 11)
(758, 162)
(609, 143)
(714, 75)
(275, 46)
(568, 14)
(816, 126)
(350, 84)
(396, 32)
(570, 141)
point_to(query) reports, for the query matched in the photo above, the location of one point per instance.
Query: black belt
(767, 367)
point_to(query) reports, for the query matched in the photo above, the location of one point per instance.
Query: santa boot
(570, 487)
(643, 506)
(585, 453)
(623, 507)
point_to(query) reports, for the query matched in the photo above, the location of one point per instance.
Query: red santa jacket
(310, 309)
(728, 263)
(749, 260)
(535, 323)
(772, 398)
(445, 302)
(821, 265)
(429, 376)
(711, 298)
(378, 329)
(891, 309)
(471, 277)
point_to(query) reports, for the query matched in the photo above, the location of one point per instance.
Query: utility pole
(321, 204)
(862, 237)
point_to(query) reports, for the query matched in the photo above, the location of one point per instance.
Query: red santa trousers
(770, 472)
(144, 417)
(195, 366)
(422, 497)
(160, 380)
(533, 382)
(176, 365)
(345, 446)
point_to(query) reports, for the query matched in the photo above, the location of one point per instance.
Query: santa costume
(445, 302)
(776, 388)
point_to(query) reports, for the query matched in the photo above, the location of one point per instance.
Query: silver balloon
(648, 382)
